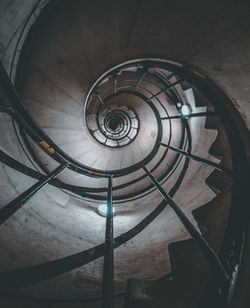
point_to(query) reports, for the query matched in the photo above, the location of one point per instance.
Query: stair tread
(219, 180)
(212, 218)
(221, 148)
(191, 270)
(152, 293)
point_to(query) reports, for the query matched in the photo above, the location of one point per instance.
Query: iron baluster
(17, 279)
(100, 98)
(201, 160)
(108, 267)
(140, 80)
(192, 115)
(166, 89)
(115, 84)
(8, 210)
(211, 254)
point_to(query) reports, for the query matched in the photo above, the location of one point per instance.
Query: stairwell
(164, 267)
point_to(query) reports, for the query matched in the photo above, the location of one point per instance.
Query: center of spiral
(114, 124)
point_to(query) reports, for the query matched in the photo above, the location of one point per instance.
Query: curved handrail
(234, 233)
(23, 277)
(139, 194)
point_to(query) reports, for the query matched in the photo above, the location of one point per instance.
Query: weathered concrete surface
(11, 26)
(76, 43)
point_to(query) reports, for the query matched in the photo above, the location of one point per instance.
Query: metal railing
(226, 265)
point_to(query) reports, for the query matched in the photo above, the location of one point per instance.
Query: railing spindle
(211, 254)
(108, 268)
(8, 210)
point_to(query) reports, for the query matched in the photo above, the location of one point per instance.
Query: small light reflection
(102, 209)
(185, 110)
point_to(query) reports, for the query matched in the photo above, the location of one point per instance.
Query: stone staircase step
(212, 218)
(219, 181)
(191, 270)
(152, 293)
(220, 148)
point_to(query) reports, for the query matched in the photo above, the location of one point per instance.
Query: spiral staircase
(113, 121)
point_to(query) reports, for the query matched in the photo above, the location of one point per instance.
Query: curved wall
(76, 44)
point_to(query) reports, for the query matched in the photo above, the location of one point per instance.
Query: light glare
(102, 209)
(185, 110)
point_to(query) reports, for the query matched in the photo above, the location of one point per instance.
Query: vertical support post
(8, 210)
(100, 98)
(213, 258)
(108, 267)
(115, 84)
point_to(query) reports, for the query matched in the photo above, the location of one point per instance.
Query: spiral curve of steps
(56, 84)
